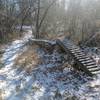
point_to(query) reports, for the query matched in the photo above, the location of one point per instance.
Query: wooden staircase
(84, 62)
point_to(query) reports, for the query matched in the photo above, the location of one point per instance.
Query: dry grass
(14, 36)
(28, 60)
(1, 95)
(58, 36)
(11, 37)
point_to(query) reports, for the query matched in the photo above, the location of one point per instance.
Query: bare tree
(39, 21)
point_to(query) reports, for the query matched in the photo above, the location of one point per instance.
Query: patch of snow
(45, 82)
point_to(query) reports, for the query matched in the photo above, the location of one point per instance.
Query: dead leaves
(28, 60)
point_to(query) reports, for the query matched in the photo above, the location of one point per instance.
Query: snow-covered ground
(46, 82)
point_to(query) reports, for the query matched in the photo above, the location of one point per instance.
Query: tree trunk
(37, 21)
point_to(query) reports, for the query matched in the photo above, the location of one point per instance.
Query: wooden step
(77, 51)
(88, 61)
(73, 48)
(85, 59)
(69, 44)
(96, 72)
(94, 69)
(88, 64)
(79, 55)
(92, 63)
(91, 66)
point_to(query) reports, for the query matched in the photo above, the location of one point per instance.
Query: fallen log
(42, 42)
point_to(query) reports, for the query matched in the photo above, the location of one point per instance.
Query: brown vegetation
(28, 60)
(0, 95)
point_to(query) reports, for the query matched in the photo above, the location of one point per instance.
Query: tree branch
(45, 13)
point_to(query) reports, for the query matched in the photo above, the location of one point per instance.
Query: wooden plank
(92, 63)
(85, 59)
(77, 51)
(79, 55)
(96, 72)
(88, 61)
(94, 69)
(91, 66)
(72, 48)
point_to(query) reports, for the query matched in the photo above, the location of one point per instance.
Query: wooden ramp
(84, 62)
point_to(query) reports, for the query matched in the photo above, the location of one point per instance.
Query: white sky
(66, 3)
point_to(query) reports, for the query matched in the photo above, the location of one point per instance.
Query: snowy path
(46, 82)
(10, 76)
